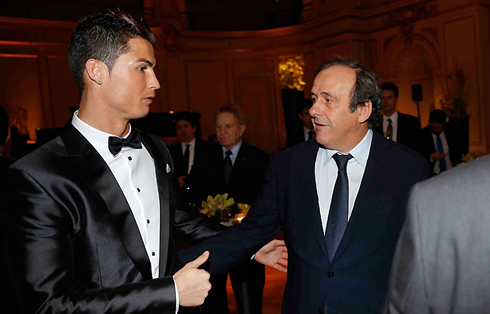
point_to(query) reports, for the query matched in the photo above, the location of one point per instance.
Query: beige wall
(407, 42)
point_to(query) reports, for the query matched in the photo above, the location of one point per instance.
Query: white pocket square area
(168, 168)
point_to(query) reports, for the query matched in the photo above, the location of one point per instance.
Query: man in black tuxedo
(340, 201)
(88, 218)
(237, 168)
(398, 127)
(189, 158)
(435, 144)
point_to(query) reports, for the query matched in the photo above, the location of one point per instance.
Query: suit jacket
(426, 147)
(357, 279)
(194, 190)
(441, 263)
(247, 175)
(407, 131)
(296, 138)
(72, 243)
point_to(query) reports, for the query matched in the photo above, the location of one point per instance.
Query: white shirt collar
(98, 138)
(192, 143)
(234, 150)
(394, 117)
(360, 153)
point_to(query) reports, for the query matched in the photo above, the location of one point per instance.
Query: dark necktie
(228, 166)
(440, 149)
(339, 207)
(185, 167)
(117, 143)
(389, 130)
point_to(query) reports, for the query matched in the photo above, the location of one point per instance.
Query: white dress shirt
(394, 123)
(192, 152)
(326, 175)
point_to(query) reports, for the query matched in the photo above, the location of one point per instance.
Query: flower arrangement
(291, 73)
(218, 207)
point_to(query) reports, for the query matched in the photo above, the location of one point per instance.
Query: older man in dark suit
(237, 168)
(88, 219)
(340, 201)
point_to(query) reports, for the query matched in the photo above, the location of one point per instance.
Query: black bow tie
(117, 143)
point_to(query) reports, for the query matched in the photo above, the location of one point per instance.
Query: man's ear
(94, 69)
(364, 110)
(242, 127)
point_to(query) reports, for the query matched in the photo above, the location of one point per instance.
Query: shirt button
(129, 158)
(330, 274)
(148, 221)
(152, 253)
(138, 189)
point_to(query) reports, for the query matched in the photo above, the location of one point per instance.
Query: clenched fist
(193, 283)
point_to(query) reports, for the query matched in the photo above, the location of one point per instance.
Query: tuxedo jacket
(441, 264)
(71, 241)
(356, 280)
(247, 175)
(195, 183)
(407, 130)
(426, 147)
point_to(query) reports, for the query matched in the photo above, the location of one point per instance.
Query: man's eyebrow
(325, 94)
(145, 61)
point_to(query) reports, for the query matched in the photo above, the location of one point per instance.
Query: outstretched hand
(274, 254)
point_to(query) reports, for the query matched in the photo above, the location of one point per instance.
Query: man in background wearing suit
(398, 127)
(189, 158)
(435, 144)
(306, 131)
(441, 263)
(340, 201)
(237, 168)
(88, 218)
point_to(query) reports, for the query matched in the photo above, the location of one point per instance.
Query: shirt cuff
(176, 297)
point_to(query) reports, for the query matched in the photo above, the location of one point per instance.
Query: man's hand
(193, 283)
(181, 180)
(274, 254)
(437, 156)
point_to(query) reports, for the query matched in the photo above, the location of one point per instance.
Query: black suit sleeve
(43, 240)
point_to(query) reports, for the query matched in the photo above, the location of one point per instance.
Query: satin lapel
(307, 193)
(163, 162)
(369, 196)
(91, 168)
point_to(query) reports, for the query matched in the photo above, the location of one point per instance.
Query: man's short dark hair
(437, 115)
(390, 86)
(192, 117)
(4, 125)
(367, 87)
(103, 37)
